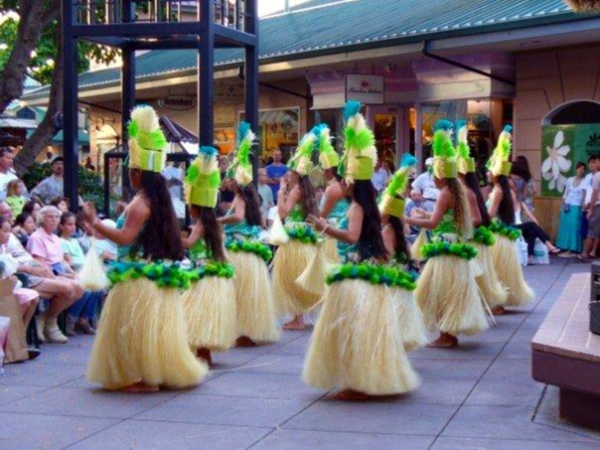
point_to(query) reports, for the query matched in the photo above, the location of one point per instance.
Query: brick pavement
(480, 395)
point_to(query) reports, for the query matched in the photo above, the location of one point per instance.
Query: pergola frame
(121, 30)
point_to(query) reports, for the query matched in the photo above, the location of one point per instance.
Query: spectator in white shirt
(425, 184)
(7, 173)
(380, 177)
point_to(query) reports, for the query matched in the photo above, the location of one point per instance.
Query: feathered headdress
(408, 160)
(147, 142)
(301, 160)
(466, 164)
(203, 179)
(444, 153)
(240, 168)
(328, 157)
(499, 163)
(392, 201)
(360, 154)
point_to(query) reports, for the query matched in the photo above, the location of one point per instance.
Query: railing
(229, 13)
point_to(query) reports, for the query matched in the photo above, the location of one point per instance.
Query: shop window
(385, 136)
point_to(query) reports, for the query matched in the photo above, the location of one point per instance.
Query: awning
(83, 137)
(14, 122)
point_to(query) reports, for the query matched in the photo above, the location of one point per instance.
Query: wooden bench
(567, 355)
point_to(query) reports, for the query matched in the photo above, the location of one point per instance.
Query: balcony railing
(229, 13)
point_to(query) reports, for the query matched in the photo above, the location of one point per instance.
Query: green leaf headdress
(444, 153)
(301, 160)
(147, 143)
(360, 154)
(328, 157)
(392, 201)
(203, 179)
(466, 164)
(499, 163)
(240, 168)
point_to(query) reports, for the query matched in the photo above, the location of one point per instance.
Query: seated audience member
(45, 246)
(106, 249)
(15, 196)
(33, 207)
(24, 227)
(61, 204)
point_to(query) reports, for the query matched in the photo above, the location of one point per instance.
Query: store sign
(563, 146)
(367, 89)
(177, 102)
(230, 94)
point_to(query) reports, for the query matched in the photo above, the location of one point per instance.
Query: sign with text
(177, 102)
(367, 89)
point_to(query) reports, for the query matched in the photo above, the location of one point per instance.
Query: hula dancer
(392, 206)
(447, 291)
(334, 204)
(502, 210)
(356, 346)
(141, 343)
(493, 292)
(256, 320)
(295, 202)
(209, 305)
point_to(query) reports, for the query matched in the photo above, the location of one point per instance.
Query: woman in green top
(447, 291)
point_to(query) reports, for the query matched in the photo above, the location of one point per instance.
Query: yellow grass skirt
(331, 251)
(142, 338)
(289, 263)
(211, 314)
(449, 298)
(357, 343)
(254, 300)
(510, 273)
(492, 290)
(412, 328)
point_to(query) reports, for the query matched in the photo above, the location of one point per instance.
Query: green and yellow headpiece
(301, 160)
(240, 168)
(328, 157)
(466, 164)
(499, 163)
(392, 201)
(444, 153)
(203, 179)
(360, 154)
(147, 142)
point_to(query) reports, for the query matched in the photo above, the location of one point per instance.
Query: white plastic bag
(92, 275)
(277, 235)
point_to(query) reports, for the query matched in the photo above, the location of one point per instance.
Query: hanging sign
(367, 89)
(176, 102)
(230, 94)
(563, 146)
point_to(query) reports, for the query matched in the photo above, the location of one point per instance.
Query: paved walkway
(480, 395)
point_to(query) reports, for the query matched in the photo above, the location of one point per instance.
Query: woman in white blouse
(569, 229)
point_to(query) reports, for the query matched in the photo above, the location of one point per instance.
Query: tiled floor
(480, 395)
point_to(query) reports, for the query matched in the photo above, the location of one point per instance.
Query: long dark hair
(401, 248)
(252, 200)
(337, 176)
(520, 167)
(371, 241)
(307, 197)
(506, 209)
(472, 183)
(462, 216)
(159, 237)
(212, 232)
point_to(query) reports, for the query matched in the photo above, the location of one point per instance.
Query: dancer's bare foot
(498, 310)
(245, 341)
(140, 388)
(444, 341)
(204, 353)
(349, 395)
(296, 324)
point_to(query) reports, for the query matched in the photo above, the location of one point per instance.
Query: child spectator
(24, 227)
(15, 196)
(61, 203)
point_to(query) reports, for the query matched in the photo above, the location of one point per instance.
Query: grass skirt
(412, 329)
(357, 343)
(510, 274)
(211, 314)
(331, 251)
(255, 307)
(449, 298)
(142, 338)
(492, 290)
(289, 263)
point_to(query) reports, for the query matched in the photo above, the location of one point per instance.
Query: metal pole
(127, 82)
(70, 107)
(251, 82)
(206, 61)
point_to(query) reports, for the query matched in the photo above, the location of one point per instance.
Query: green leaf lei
(259, 249)
(374, 274)
(211, 269)
(171, 275)
(304, 234)
(507, 231)
(460, 250)
(484, 236)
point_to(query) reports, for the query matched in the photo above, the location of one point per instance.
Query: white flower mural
(556, 164)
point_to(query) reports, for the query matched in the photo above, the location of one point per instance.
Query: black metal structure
(151, 25)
